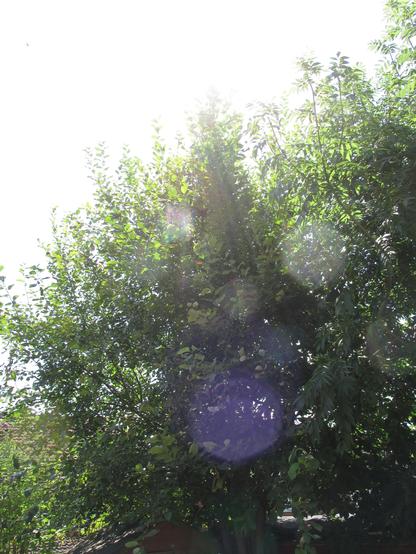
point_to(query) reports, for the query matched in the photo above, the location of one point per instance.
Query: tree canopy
(231, 326)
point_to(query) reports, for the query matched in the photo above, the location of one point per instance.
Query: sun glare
(78, 73)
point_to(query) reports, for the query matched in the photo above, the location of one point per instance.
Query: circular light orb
(314, 254)
(386, 344)
(277, 345)
(178, 223)
(235, 417)
(238, 299)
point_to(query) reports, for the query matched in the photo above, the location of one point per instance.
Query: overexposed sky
(77, 72)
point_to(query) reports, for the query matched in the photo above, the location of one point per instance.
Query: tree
(232, 325)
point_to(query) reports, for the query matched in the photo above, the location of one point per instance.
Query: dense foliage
(232, 325)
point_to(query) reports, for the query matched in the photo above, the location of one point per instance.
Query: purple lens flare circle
(235, 416)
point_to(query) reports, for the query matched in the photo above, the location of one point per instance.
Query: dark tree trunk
(260, 531)
(226, 540)
(241, 541)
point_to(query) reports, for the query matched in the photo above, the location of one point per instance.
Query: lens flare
(277, 345)
(386, 344)
(235, 417)
(238, 299)
(148, 270)
(314, 254)
(178, 223)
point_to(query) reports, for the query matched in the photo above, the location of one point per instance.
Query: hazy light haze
(77, 73)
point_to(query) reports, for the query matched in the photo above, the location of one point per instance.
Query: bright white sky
(74, 73)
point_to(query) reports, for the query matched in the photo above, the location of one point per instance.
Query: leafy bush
(232, 325)
(29, 453)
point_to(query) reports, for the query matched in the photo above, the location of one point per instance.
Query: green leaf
(317, 526)
(157, 450)
(151, 533)
(293, 471)
(131, 544)
(193, 449)
(183, 350)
